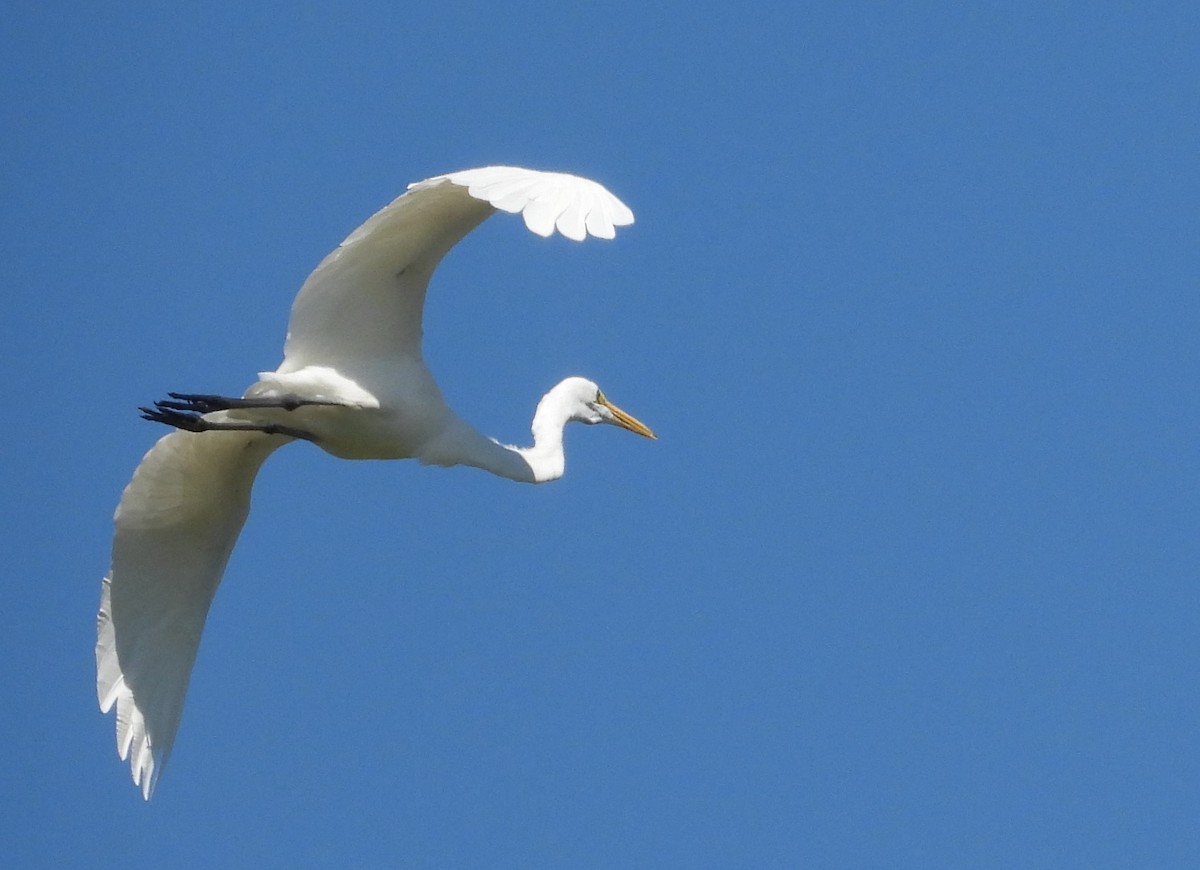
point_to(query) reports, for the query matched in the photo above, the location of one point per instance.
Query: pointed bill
(626, 421)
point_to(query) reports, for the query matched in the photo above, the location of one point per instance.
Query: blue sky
(909, 579)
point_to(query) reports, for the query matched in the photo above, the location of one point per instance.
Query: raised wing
(175, 528)
(364, 301)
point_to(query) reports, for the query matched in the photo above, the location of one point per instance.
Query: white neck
(544, 461)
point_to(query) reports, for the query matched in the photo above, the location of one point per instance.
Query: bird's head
(584, 401)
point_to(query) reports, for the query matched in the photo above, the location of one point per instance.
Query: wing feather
(175, 527)
(364, 302)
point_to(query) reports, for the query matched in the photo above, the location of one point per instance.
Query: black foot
(160, 413)
(181, 416)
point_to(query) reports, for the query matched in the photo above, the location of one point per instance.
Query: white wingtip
(133, 741)
(548, 201)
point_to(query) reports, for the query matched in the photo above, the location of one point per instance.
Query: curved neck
(545, 458)
(543, 461)
(461, 444)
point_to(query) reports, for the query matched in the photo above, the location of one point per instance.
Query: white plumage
(352, 381)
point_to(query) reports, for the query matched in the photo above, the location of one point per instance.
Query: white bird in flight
(354, 383)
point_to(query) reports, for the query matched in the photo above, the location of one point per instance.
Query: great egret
(354, 383)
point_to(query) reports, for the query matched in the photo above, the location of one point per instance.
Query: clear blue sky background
(910, 579)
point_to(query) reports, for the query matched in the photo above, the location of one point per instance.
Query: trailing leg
(204, 403)
(192, 421)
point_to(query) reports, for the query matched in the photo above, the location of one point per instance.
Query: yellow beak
(626, 421)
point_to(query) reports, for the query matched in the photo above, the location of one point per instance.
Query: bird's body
(353, 381)
(374, 418)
